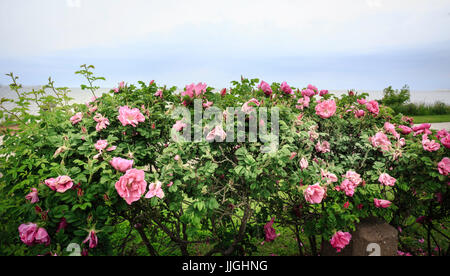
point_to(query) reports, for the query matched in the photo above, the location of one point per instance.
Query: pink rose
(308, 93)
(63, 183)
(92, 239)
(381, 140)
(323, 147)
(381, 203)
(386, 179)
(265, 87)
(270, 232)
(159, 93)
(422, 129)
(326, 109)
(340, 240)
(76, 118)
(27, 233)
(323, 92)
(362, 101)
(286, 88)
(101, 145)
(247, 108)
(313, 88)
(359, 113)
(372, 106)
(121, 165)
(33, 196)
(405, 129)
(354, 177)
(102, 122)
(348, 187)
(303, 102)
(132, 185)
(314, 194)
(154, 189)
(446, 141)
(329, 177)
(113, 148)
(442, 133)
(216, 132)
(391, 129)
(42, 237)
(430, 145)
(129, 116)
(444, 166)
(304, 163)
(178, 126)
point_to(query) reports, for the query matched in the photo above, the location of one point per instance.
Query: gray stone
(373, 237)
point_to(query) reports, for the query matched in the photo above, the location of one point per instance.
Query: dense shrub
(337, 160)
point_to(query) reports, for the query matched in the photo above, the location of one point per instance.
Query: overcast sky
(345, 44)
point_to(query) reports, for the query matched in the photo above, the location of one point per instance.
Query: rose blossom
(303, 102)
(33, 196)
(216, 132)
(381, 140)
(308, 93)
(102, 122)
(362, 101)
(270, 232)
(441, 134)
(121, 165)
(265, 87)
(129, 116)
(76, 118)
(92, 239)
(247, 108)
(304, 163)
(372, 106)
(154, 189)
(359, 113)
(286, 88)
(381, 203)
(159, 93)
(348, 187)
(446, 141)
(27, 233)
(391, 129)
(340, 240)
(323, 92)
(179, 125)
(429, 145)
(386, 179)
(405, 129)
(323, 147)
(132, 185)
(444, 166)
(422, 129)
(60, 184)
(101, 145)
(326, 109)
(42, 237)
(314, 194)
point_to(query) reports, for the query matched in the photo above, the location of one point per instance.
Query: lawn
(431, 119)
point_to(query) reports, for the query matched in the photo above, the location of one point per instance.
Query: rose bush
(76, 174)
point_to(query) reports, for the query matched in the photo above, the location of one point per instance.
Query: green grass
(431, 119)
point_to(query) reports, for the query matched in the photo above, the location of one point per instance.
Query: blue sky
(347, 44)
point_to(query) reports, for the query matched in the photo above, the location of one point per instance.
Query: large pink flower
(444, 166)
(247, 108)
(60, 184)
(405, 129)
(348, 187)
(33, 196)
(154, 189)
(132, 185)
(42, 237)
(27, 233)
(326, 109)
(391, 129)
(194, 90)
(308, 93)
(313, 88)
(381, 203)
(422, 129)
(102, 122)
(286, 88)
(381, 140)
(430, 145)
(323, 147)
(303, 102)
(265, 87)
(120, 164)
(216, 132)
(386, 179)
(314, 194)
(340, 240)
(76, 118)
(129, 116)
(446, 141)
(373, 107)
(101, 145)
